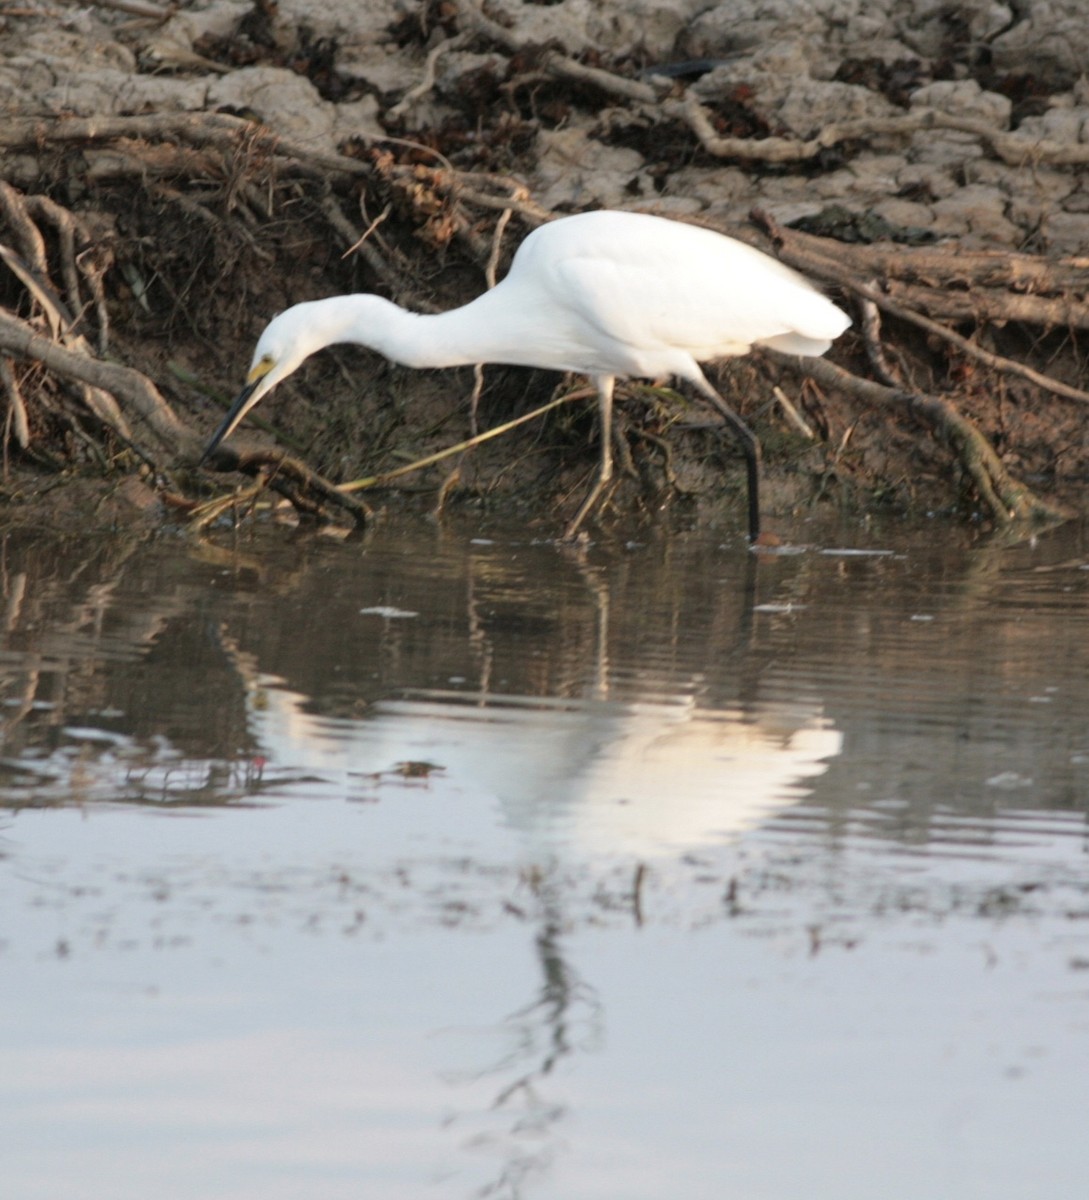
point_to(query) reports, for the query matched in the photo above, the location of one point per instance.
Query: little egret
(605, 294)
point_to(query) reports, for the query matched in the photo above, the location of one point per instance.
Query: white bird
(606, 294)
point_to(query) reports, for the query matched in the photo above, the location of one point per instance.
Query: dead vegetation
(141, 254)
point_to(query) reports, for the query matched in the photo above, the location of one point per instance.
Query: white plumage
(607, 294)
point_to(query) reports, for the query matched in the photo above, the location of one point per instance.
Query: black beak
(237, 411)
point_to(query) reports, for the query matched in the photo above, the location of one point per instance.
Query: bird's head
(281, 349)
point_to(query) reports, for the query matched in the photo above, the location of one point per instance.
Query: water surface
(453, 862)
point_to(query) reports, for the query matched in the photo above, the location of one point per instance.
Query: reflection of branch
(597, 588)
(48, 654)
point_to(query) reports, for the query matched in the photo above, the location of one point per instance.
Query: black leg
(750, 447)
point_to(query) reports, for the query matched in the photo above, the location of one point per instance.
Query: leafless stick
(382, 216)
(16, 422)
(18, 338)
(555, 63)
(31, 242)
(296, 481)
(427, 80)
(217, 130)
(370, 481)
(524, 207)
(794, 416)
(1013, 150)
(66, 226)
(871, 335)
(497, 244)
(999, 362)
(138, 8)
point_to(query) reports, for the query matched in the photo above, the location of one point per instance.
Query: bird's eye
(261, 368)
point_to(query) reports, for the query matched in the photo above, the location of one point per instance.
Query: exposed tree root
(950, 284)
(1007, 500)
(136, 135)
(136, 390)
(1013, 150)
(561, 66)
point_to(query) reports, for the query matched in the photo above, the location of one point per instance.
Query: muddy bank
(172, 179)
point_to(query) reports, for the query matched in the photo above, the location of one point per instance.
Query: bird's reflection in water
(609, 778)
(617, 777)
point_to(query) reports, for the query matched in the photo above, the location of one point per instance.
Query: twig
(490, 269)
(41, 291)
(138, 8)
(355, 246)
(559, 65)
(31, 242)
(952, 284)
(219, 131)
(524, 207)
(293, 479)
(998, 361)
(793, 415)
(61, 328)
(211, 510)
(15, 423)
(371, 255)
(1013, 150)
(370, 481)
(427, 79)
(871, 335)
(492, 264)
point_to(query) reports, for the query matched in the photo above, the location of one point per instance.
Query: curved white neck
(477, 332)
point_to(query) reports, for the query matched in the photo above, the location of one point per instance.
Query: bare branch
(1014, 150)
(558, 65)
(875, 351)
(305, 488)
(427, 79)
(219, 131)
(15, 423)
(135, 389)
(138, 8)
